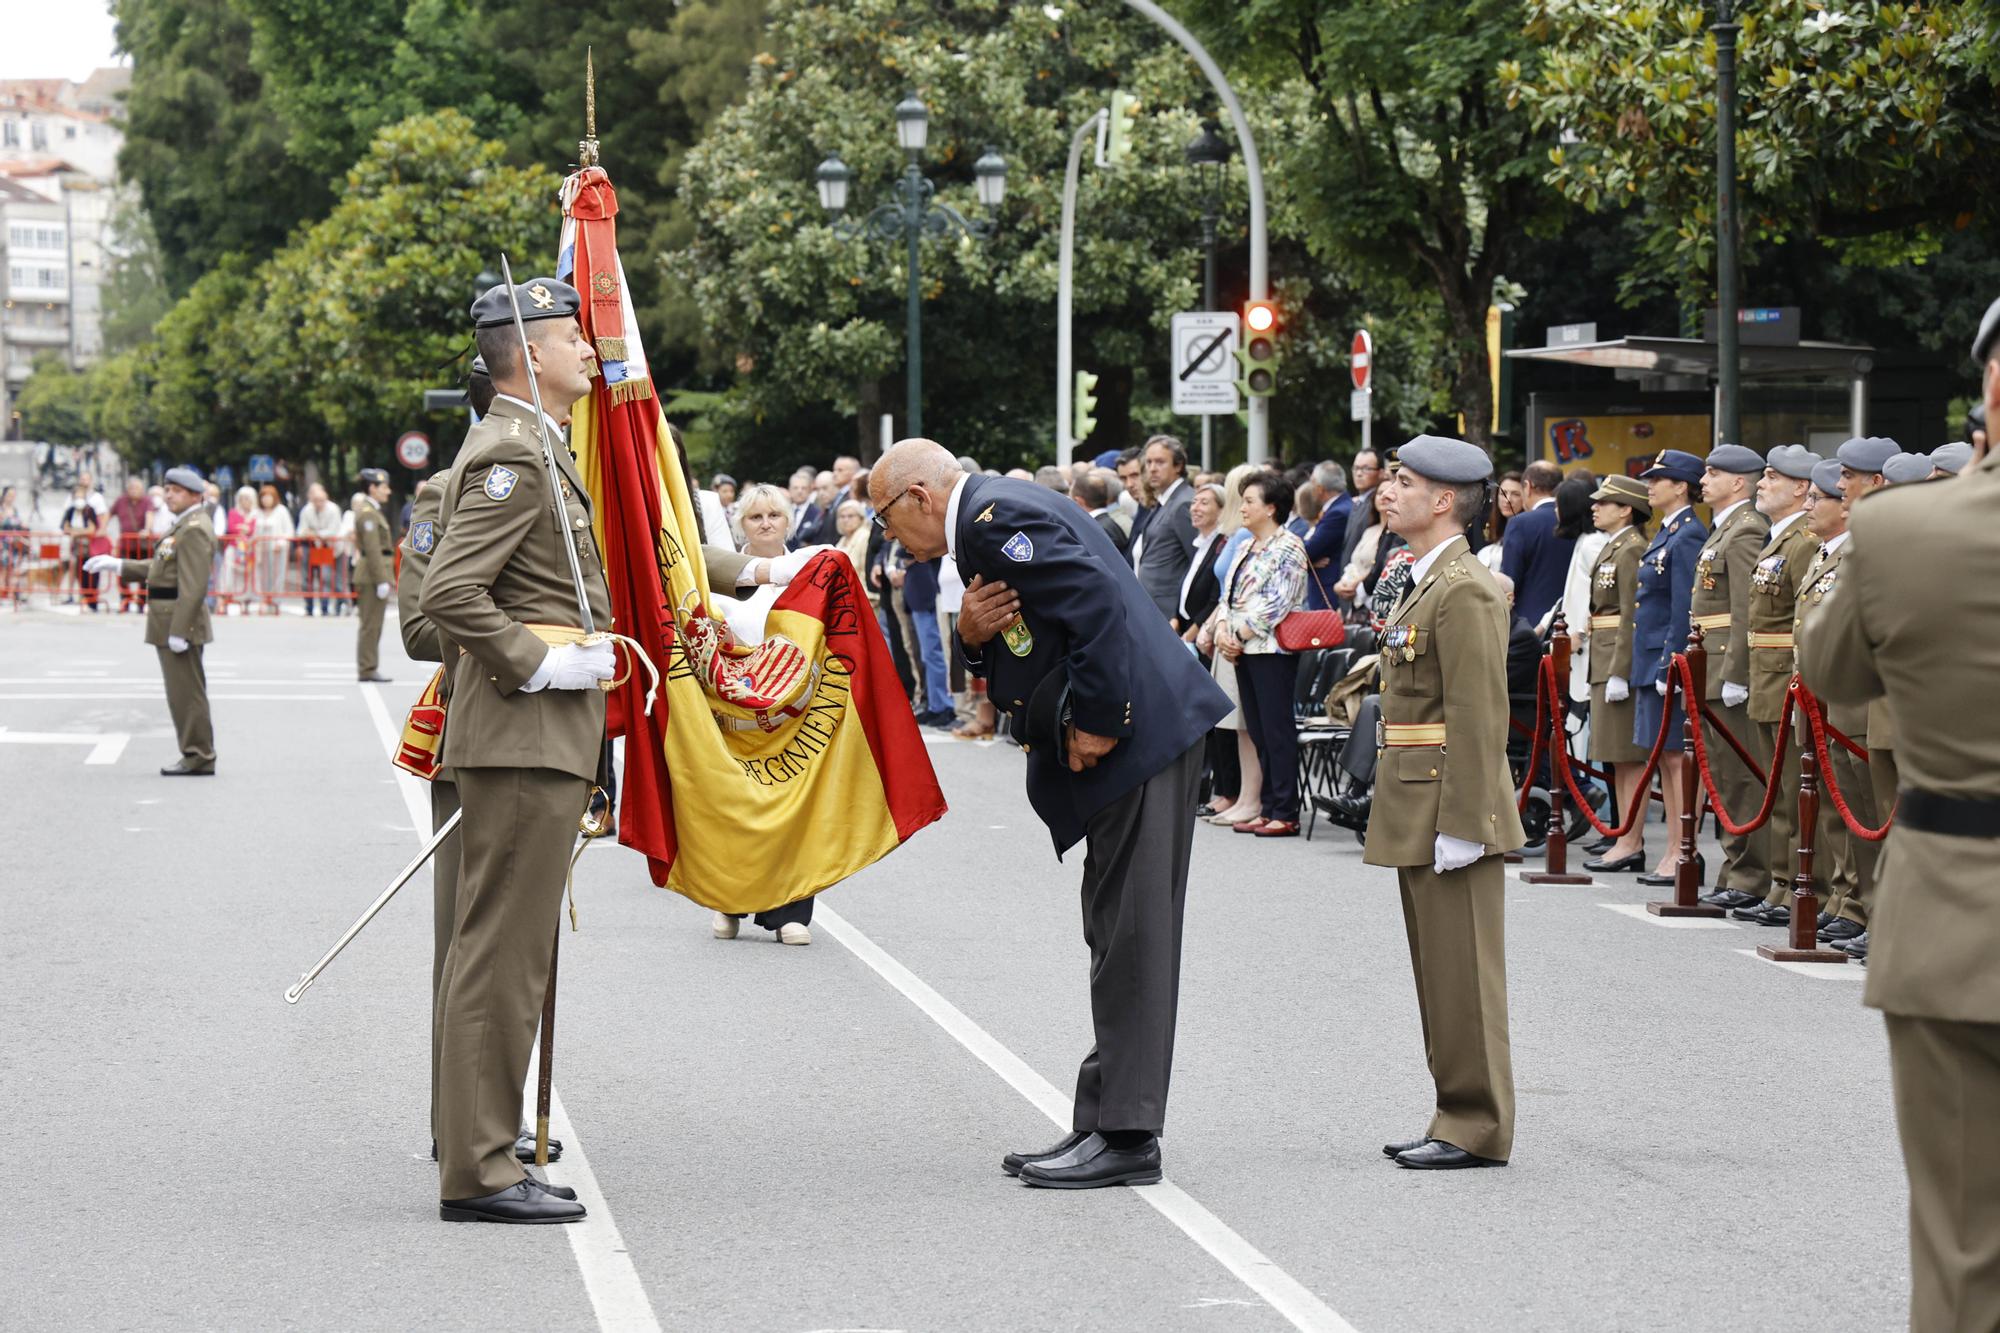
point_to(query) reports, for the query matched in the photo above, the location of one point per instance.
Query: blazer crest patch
(500, 482)
(423, 536)
(1019, 549)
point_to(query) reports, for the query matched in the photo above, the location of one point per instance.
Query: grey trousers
(1135, 873)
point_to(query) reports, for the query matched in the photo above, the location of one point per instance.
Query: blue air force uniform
(1129, 676)
(1660, 621)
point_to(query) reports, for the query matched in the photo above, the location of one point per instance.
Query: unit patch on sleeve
(1019, 549)
(500, 482)
(423, 536)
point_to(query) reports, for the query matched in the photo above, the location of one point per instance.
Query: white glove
(1733, 694)
(1616, 690)
(1451, 853)
(381, 592)
(1661, 686)
(573, 666)
(783, 569)
(101, 564)
(176, 643)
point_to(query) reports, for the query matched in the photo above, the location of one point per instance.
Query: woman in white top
(273, 550)
(1574, 518)
(1234, 538)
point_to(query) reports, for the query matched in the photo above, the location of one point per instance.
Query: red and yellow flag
(762, 774)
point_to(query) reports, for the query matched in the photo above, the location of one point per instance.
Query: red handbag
(1304, 631)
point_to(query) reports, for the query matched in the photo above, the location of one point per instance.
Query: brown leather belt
(163, 594)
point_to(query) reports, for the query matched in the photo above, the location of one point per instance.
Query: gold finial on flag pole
(586, 151)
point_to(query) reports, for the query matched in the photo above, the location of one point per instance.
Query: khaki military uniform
(1846, 869)
(1614, 598)
(1720, 607)
(523, 763)
(176, 580)
(1913, 622)
(1442, 768)
(1773, 606)
(374, 564)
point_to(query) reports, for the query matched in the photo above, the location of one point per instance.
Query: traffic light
(1118, 139)
(1259, 353)
(1083, 423)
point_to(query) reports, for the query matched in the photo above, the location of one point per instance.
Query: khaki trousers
(1947, 1082)
(368, 637)
(187, 704)
(520, 826)
(1857, 856)
(1458, 951)
(444, 911)
(1746, 863)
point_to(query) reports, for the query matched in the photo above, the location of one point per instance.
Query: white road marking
(1639, 912)
(1824, 971)
(105, 747)
(616, 1294)
(1279, 1289)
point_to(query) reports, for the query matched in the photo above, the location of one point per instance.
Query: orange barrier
(254, 573)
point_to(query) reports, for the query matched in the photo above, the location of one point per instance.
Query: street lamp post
(1728, 381)
(910, 214)
(1208, 154)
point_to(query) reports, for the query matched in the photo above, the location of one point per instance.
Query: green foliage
(54, 403)
(135, 288)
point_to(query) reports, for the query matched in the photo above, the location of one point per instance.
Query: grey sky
(56, 40)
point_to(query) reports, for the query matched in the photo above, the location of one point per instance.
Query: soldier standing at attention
(176, 580)
(1621, 508)
(1896, 629)
(374, 569)
(1720, 607)
(1444, 807)
(1666, 586)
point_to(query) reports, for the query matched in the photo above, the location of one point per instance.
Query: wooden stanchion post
(1687, 869)
(1556, 868)
(1804, 946)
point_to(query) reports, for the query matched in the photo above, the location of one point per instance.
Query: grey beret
(1826, 476)
(1440, 458)
(186, 478)
(1904, 468)
(1792, 460)
(1951, 457)
(1867, 453)
(1735, 458)
(540, 298)
(1989, 328)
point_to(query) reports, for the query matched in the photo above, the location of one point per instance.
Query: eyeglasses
(876, 519)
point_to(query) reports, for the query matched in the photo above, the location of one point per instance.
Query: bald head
(910, 488)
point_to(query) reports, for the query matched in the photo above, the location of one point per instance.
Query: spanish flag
(762, 774)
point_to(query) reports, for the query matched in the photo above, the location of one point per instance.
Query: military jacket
(1773, 606)
(374, 548)
(1910, 621)
(1666, 587)
(1720, 601)
(498, 566)
(1816, 584)
(1444, 692)
(1614, 592)
(177, 579)
(420, 638)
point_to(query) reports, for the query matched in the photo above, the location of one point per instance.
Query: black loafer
(524, 1204)
(1601, 866)
(1093, 1163)
(181, 770)
(1014, 1161)
(1841, 929)
(1398, 1149)
(524, 1148)
(1437, 1155)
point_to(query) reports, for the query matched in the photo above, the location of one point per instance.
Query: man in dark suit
(1089, 494)
(1161, 554)
(1114, 710)
(1328, 536)
(1531, 553)
(808, 518)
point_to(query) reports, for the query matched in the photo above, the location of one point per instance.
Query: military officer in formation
(1621, 507)
(1916, 584)
(176, 580)
(1666, 590)
(1444, 812)
(374, 569)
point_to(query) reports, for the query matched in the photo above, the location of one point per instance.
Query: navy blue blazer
(1130, 675)
(1327, 540)
(1666, 587)
(1537, 560)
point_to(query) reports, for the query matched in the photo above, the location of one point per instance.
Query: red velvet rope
(1820, 727)
(1645, 790)
(1540, 733)
(1757, 821)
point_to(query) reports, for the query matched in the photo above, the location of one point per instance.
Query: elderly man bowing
(1114, 711)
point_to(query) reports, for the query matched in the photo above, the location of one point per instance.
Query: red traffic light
(1260, 316)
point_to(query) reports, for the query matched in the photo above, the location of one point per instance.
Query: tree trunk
(867, 422)
(1471, 380)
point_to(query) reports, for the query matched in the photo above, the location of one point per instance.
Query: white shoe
(724, 926)
(794, 933)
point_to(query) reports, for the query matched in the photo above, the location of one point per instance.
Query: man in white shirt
(319, 524)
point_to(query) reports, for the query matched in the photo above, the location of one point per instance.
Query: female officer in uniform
(1620, 508)
(1660, 623)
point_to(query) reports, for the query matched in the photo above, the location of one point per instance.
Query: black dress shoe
(1779, 915)
(1856, 947)
(1601, 846)
(1731, 898)
(1622, 865)
(1823, 920)
(1437, 1155)
(1666, 881)
(1014, 1161)
(523, 1204)
(1093, 1163)
(1841, 929)
(524, 1147)
(1751, 912)
(560, 1191)
(1398, 1149)
(181, 770)
(375, 678)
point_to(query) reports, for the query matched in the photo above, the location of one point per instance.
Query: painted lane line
(1638, 912)
(616, 1294)
(105, 747)
(1279, 1289)
(1821, 971)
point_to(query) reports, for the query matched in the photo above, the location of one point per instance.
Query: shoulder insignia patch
(500, 482)
(1454, 570)
(368, 525)
(423, 536)
(1019, 549)
(985, 515)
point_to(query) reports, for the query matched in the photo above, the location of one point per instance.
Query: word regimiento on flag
(766, 773)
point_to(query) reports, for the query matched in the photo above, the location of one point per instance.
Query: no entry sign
(1364, 352)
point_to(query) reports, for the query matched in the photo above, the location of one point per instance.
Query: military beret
(373, 476)
(186, 478)
(1904, 468)
(1989, 328)
(1737, 459)
(1442, 459)
(1951, 457)
(1624, 490)
(540, 298)
(1826, 476)
(1867, 453)
(1676, 464)
(1792, 460)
